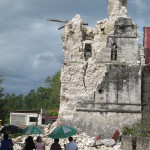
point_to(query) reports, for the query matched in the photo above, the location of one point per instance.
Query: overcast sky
(31, 47)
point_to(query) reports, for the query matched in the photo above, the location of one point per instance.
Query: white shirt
(71, 146)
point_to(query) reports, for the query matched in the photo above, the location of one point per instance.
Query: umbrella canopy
(10, 129)
(62, 132)
(32, 130)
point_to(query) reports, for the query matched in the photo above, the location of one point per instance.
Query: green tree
(44, 97)
(1, 100)
(37, 99)
(30, 100)
(11, 102)
(55, 85)
(1, 88)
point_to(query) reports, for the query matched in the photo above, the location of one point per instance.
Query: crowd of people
(7, 144)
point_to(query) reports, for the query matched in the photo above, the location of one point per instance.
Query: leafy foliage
(47, 97)
(1, 88)
(1, 99)
(141, 129)
(127, 130)
(9, 104)
(53, 112)
(55, 84)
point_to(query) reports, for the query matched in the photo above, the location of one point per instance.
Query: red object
(97, 138)
(116, 135)
(147, 44)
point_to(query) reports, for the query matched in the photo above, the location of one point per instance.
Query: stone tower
(117, 7)
(100, 77)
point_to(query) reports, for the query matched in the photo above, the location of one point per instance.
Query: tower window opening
(100, 91)
(103, 30)
(87, 51)
(114, 52)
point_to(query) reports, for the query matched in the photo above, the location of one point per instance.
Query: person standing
(71, 145)
(39, 145)
(55, 145)
(6, 144)
(29, 143)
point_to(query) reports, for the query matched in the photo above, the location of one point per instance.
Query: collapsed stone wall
(100, 77)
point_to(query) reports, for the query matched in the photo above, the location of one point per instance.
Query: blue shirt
(71, 146)
(5, 143)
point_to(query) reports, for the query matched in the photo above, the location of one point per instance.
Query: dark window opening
(102, 30)
(33, 119)
(122, 28)
(87, 51)
(114, 52)
(100, 91)
(43, 121)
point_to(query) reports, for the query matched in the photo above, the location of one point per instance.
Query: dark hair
(29, 143)
(70, 139)
(39, 139)
(56, 140)
(30, 139)
(5, 136)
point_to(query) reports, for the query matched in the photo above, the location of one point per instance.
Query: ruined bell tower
(117, 7)
(100, 76)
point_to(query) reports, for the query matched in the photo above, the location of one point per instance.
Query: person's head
(39, 139)
(30, 139)
(70, 139)
(56, 140)
(5, 136)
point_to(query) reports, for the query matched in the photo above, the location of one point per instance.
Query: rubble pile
(83, 141)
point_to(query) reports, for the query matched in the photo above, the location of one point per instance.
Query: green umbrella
(32, 130)
(62, 132)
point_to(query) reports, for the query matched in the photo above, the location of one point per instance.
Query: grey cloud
(21, 13)
(142, 5)
(31, 47)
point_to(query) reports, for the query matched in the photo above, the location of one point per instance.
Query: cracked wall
(100, 76)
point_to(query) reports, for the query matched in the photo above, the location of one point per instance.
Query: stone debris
(83, 141)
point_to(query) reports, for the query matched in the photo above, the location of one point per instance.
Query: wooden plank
(64, 21)
(61, 27)
(55, 20)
